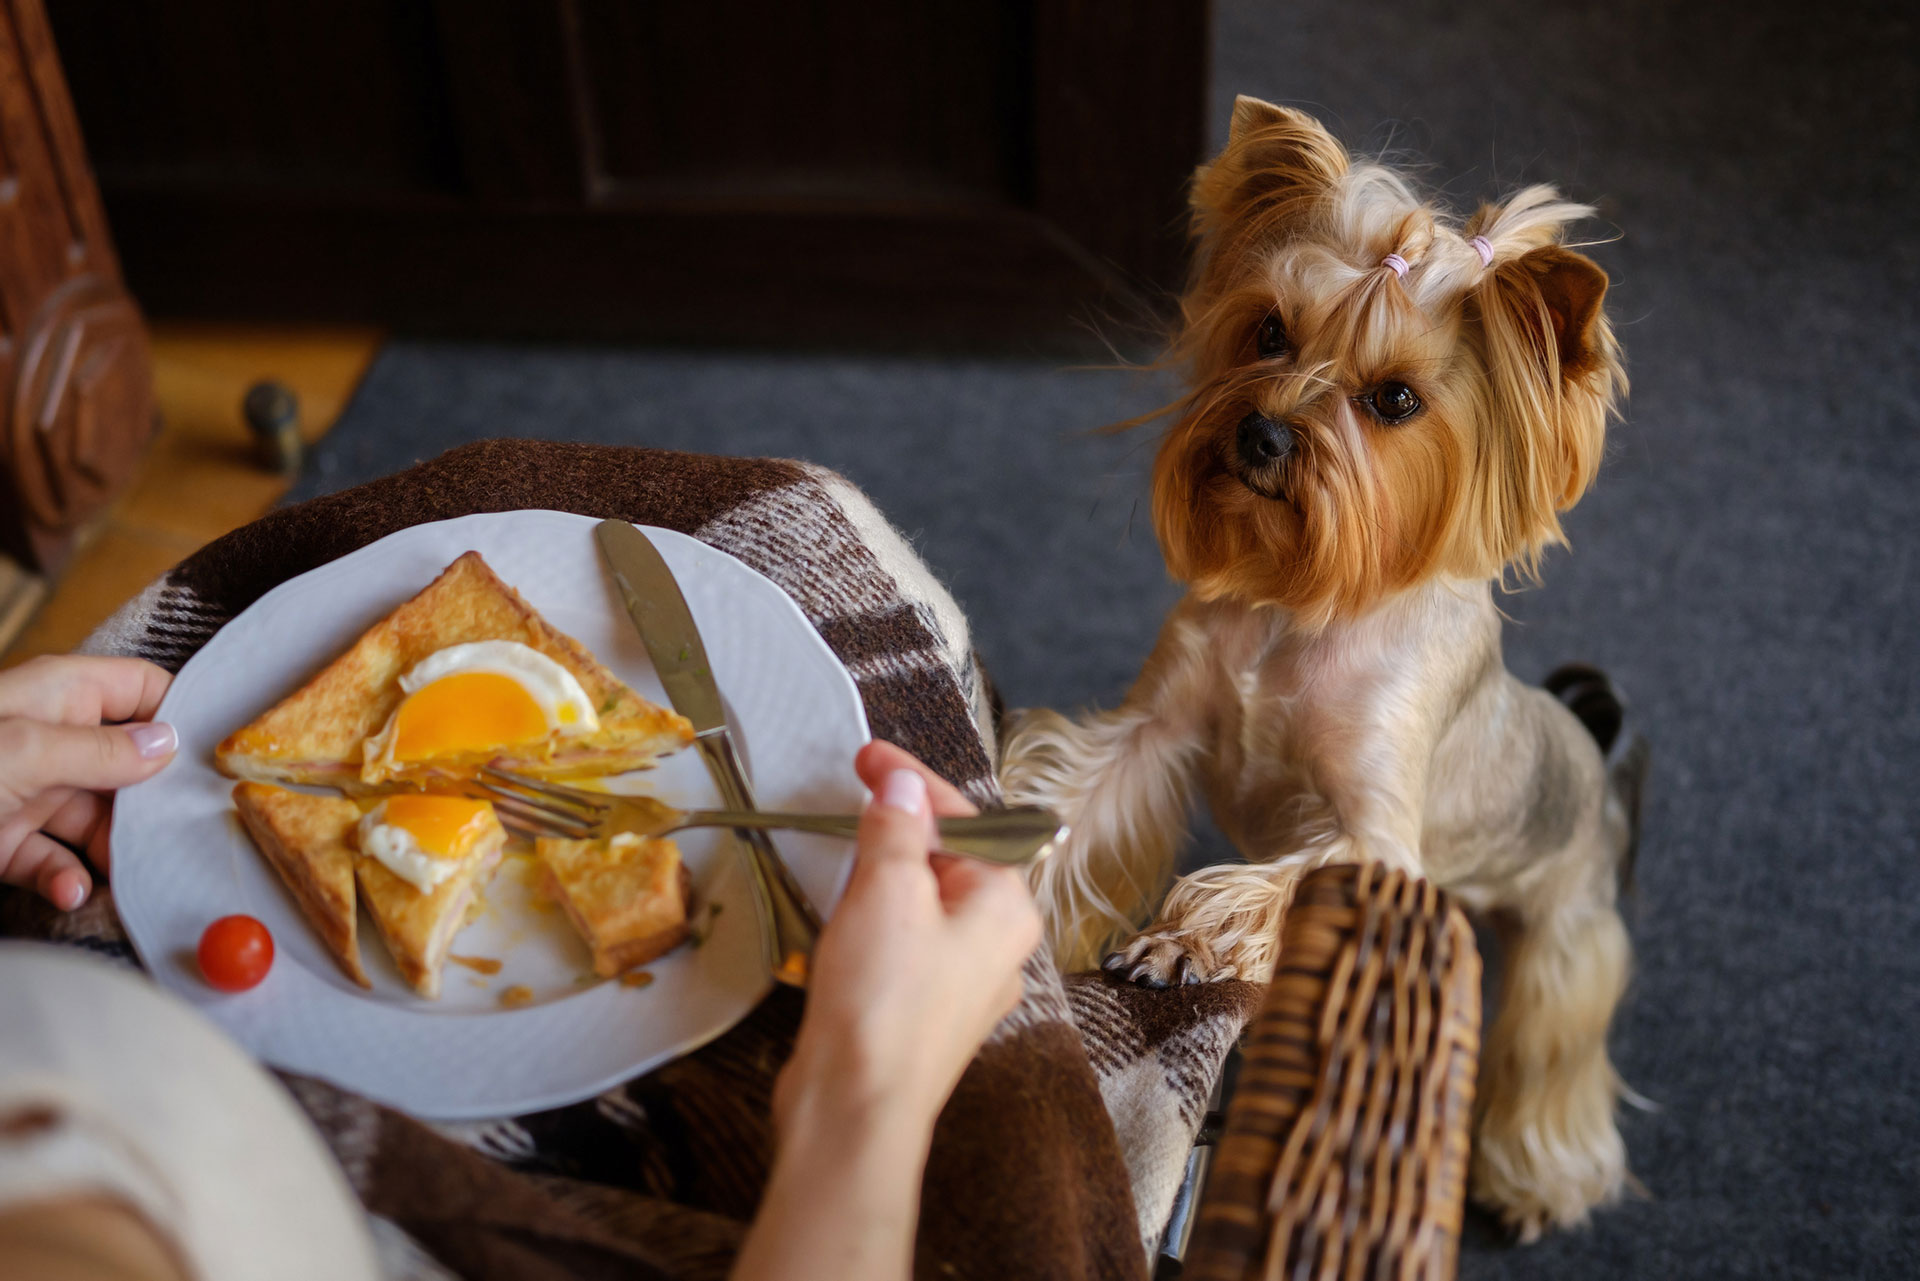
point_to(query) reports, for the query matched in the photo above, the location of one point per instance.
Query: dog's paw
(1534, 1185)
(1166, 958)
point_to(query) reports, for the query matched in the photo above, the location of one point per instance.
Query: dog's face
(1372, 401)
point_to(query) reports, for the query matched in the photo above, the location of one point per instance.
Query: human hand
(921, 959)
(61, 757)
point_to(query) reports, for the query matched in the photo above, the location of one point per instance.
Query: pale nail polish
(153, 739)
(905, 791)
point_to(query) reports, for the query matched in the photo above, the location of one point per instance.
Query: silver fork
(1011, 837)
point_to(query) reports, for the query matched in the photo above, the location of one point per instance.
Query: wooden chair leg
(1345, 1153)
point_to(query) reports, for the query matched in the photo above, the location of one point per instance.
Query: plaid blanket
(1061, 1149)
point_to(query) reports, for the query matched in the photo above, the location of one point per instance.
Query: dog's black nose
(1263, 441)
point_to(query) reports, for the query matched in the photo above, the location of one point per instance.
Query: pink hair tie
(1485, 250)
(1398, 264)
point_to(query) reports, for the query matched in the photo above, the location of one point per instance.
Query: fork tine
(505, 800)
(539, 792)
(516, 813)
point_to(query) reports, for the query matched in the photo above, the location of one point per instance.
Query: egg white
(400, 854)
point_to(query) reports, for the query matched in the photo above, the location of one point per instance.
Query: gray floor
(1746, 566)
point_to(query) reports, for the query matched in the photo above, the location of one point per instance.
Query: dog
(1388, 411)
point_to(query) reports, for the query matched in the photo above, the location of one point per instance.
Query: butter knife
(789, 923)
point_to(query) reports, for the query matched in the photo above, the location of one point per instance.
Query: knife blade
(789, 923)
(658, 609)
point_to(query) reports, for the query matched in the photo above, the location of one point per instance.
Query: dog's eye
(1271, 339)
(1394, 402)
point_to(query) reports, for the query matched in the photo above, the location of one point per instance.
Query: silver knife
(789, 924)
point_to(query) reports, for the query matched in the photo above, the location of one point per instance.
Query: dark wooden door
(974, 172)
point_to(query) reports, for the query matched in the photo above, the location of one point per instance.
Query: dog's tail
(1596, 701)
(1122, 784)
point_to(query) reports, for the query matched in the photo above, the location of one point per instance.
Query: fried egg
(425, 839)
(470, 700)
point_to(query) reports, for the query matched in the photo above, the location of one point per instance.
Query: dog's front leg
(1223, 922)
(1546, 1148)
(1122, 782)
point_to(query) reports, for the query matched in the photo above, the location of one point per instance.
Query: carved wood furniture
(78, 405)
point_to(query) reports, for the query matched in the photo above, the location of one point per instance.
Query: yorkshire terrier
(1388, 411)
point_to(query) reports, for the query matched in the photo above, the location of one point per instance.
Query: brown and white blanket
(1064, 1143)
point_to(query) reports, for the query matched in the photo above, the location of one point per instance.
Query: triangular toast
(307, 839)
(316, 734)
(418, 928)
(627, 896)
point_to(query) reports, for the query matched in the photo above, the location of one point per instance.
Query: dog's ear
(1554, 374)
(1275, 158)
(1251, 114)
(1571, 287)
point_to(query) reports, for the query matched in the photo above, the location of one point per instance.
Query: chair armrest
(1347, 1136)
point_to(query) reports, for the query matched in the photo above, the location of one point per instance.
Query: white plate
(181, 858)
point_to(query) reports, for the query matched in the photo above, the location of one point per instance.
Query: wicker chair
(1345, 1150)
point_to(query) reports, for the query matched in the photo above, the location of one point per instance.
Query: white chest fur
(1322, 734)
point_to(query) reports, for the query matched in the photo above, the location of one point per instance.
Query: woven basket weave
(1345, 1151)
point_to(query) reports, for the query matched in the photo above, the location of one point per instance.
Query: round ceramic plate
(182, 859)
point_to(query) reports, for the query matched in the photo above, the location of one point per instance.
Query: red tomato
(235, 953)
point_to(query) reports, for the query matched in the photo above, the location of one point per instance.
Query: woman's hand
(61, 757)
(921, 959)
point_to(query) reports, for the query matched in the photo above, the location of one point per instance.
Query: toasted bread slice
(316, 734)
(627, 896)
(306, 838)
(418, 928)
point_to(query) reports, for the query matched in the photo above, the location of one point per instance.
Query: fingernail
(905, 791)
(153, 739)
(73, 895)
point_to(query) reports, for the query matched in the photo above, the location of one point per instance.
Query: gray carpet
(1746, 567)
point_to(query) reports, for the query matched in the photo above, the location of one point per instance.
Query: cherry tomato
(235, 953)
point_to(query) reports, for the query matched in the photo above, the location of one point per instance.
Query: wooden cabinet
(78, 405)
(978, 173)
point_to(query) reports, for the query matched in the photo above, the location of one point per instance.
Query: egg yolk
(442, 826)
(464, 713)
